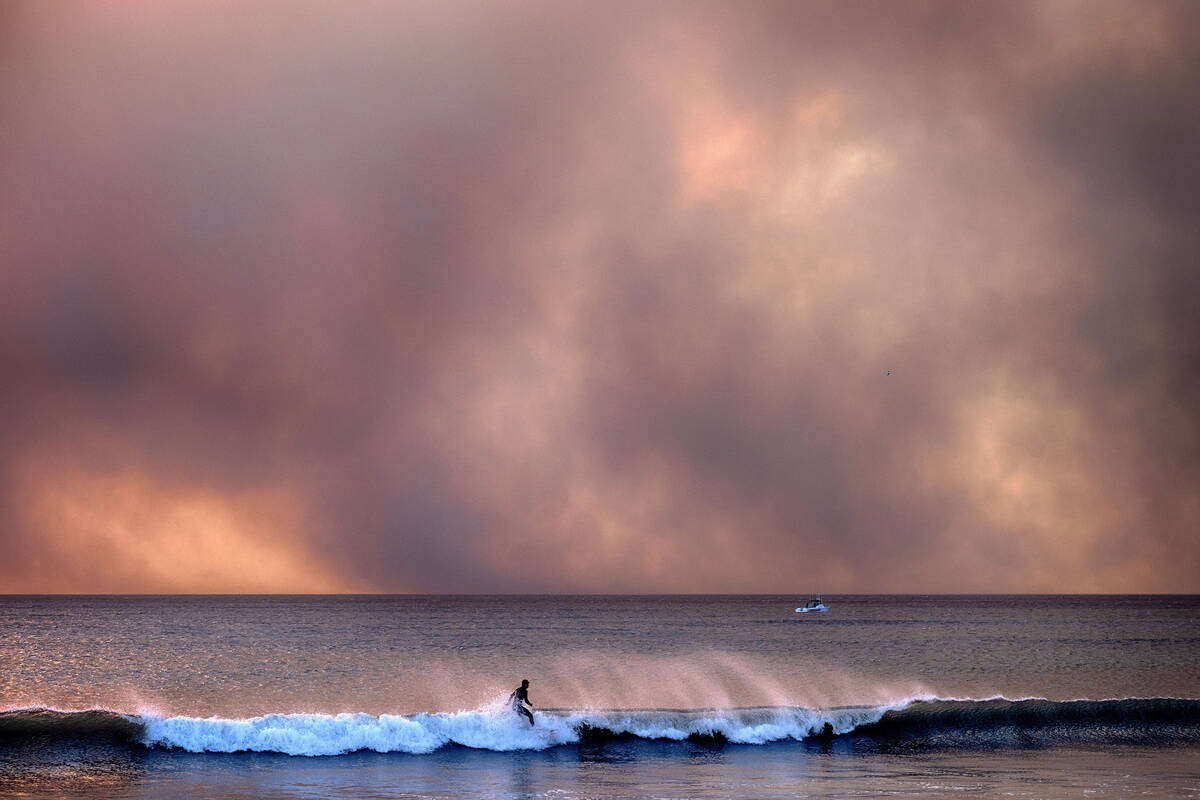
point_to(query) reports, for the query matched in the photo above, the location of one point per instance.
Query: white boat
(814, 604)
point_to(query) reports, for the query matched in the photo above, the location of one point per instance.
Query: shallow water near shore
(637, 697)
(627, 770)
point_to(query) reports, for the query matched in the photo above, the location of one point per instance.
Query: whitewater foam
(323, 734)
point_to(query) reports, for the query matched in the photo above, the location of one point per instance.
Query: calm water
(635, 696)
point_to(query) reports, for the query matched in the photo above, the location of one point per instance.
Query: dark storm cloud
(533, 297)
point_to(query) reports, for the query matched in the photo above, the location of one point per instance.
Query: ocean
(634, 697)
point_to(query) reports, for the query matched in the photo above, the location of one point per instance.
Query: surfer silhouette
(520, 698)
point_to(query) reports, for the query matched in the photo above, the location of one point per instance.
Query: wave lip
(50, 724)
(923, 724)
(1035, 722)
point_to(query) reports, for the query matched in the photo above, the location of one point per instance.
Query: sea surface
(635, 697)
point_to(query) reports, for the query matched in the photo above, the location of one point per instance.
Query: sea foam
(323, 734)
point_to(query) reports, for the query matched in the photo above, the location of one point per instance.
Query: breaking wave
(924, 724)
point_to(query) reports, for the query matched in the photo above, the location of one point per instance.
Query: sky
(633, 297)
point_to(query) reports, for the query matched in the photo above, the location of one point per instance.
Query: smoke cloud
(644, 297)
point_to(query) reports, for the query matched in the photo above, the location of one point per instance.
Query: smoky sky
(600, 297)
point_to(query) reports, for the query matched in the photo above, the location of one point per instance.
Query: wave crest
(935, 723)
(49, 724)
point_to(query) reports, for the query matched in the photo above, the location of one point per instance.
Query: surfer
(520, 698)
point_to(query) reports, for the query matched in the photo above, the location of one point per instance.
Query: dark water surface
(637, 697)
